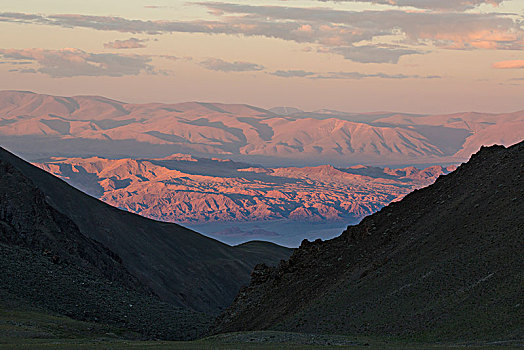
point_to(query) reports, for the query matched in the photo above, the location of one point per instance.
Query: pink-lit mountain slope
(182, 188)
(37, 126)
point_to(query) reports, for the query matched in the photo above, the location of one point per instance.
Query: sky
(420, 56)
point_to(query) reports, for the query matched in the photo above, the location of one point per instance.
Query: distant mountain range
(183, 188)
(39, 126)
(443, 264)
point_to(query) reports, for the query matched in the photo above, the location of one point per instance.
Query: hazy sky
(405, 55)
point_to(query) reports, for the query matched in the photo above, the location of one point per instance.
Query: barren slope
(48, 263)
(446, 262)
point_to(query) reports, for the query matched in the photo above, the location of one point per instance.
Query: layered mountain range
(182, 188)
(38, 126)
(444, 263)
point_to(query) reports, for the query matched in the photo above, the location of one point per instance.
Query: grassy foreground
(22, 329)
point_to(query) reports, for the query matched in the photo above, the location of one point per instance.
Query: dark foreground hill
(65, 251)
(446, 262)
(48, 263)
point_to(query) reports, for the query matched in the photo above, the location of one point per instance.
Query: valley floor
(288, 233)
(36, 329)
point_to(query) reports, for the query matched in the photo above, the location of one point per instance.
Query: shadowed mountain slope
(31, 279)
(49, 264)
(446, 262)
(180, 266)
(27, 220)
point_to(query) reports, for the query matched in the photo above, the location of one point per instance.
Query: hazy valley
(443, 263)
(238, 174)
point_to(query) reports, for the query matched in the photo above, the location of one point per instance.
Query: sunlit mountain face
(40, 126)
(235, 202)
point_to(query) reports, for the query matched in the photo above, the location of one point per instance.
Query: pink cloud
(70, 62)
(132, 43)
(218, 64)
(359, 36)
(509, 64)
(456, 5)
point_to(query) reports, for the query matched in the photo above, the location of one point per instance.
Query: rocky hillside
(32, 279)
(183, 268)
(182, 188)
(37, 125)
(27, 220)
(48, 263)
(446, 262)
